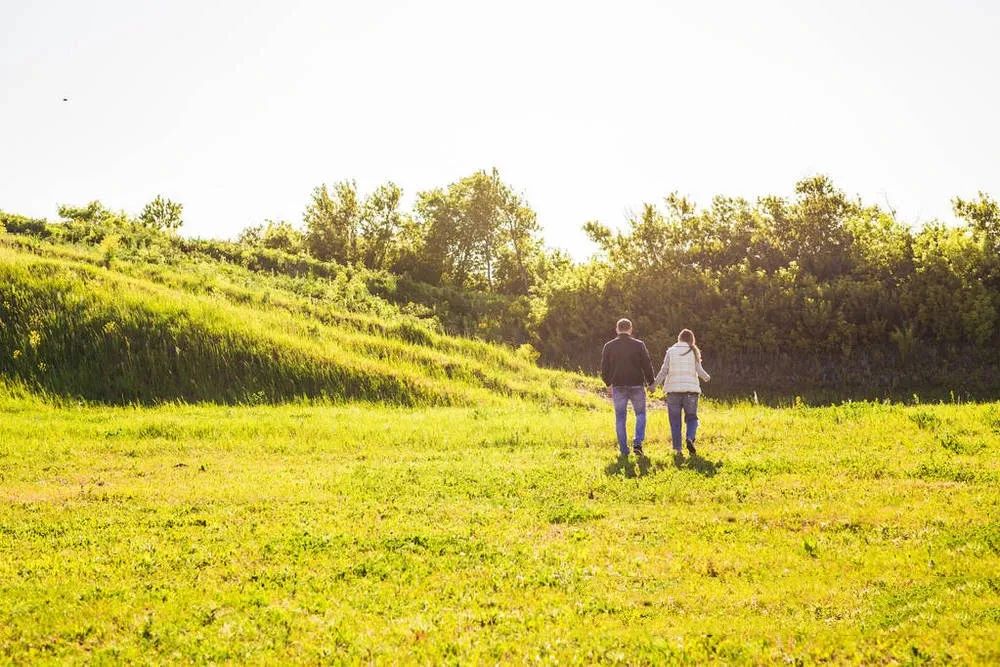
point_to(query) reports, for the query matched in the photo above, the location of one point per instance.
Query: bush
(19, 224)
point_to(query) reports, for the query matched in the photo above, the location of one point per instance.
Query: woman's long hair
(687, 336)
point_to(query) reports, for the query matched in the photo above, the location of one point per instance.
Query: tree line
(475, 234)
(816, 289)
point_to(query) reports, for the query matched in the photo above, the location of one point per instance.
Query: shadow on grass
(643, 466)
(698, 464)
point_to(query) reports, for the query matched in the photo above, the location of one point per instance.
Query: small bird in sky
(65, 99)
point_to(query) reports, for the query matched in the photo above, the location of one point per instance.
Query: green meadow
(206, 462)
(317, 533)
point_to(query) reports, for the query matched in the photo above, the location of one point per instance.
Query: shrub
(19, 224)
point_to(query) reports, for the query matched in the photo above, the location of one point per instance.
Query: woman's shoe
(691, 449)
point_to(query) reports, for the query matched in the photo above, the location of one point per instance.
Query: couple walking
(627, 370)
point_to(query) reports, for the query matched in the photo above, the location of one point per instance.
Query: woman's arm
(701, 372)
(661, 377)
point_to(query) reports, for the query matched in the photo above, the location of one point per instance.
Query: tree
(91, 213)
(519, 254)
(983, 215)
(380, 224)
(162, 215)
(446, 253)
(275, 235)
(478, 233)
(332, 219)
(947, 298)
(600, 235)
(92, 222)
(813, 229)
(21, 224)
(881, 247)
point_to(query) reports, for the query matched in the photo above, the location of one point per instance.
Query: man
(626, 370)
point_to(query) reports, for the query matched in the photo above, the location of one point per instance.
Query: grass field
(509, 532)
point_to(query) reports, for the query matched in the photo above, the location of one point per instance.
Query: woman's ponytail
(687, 336)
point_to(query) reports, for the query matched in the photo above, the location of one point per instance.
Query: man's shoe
(691, 449)
(638, 450)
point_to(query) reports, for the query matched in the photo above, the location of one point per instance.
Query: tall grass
(148, 333)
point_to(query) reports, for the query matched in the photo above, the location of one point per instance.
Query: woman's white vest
(682, 374)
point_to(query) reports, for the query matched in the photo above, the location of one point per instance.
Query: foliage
(274, 235)
(380, 227)
(90, 223)
(20, 224)
(162, 215)
(345, 227)
(477, 233)
(983, 214)
(820, 289)
(148, 235)
(812, 292)
(332, 219)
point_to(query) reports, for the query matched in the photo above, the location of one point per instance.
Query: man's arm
(605, 366)
(647, 366)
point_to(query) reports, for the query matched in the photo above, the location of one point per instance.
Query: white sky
(239, 108)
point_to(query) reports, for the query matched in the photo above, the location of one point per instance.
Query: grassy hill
(864, 533)
(204, 330)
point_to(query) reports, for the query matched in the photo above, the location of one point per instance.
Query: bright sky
(238, 108)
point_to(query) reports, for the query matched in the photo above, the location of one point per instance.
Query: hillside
(76, 322)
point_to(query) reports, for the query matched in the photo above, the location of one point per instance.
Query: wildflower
(17, 354)
(110, 327)
(34, 339)
(42, 366)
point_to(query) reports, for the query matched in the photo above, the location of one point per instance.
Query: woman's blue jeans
(621, 396)
(686, 402)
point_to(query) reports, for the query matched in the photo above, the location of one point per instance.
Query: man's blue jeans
(688, 403)
(621, 396)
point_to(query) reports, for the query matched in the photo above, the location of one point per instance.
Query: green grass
(503, 532)
(206, 331)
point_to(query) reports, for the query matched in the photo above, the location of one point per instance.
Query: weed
(925, 420)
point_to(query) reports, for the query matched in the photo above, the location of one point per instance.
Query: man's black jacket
(625, 363)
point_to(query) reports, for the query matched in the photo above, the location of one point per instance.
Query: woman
(679, 375)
